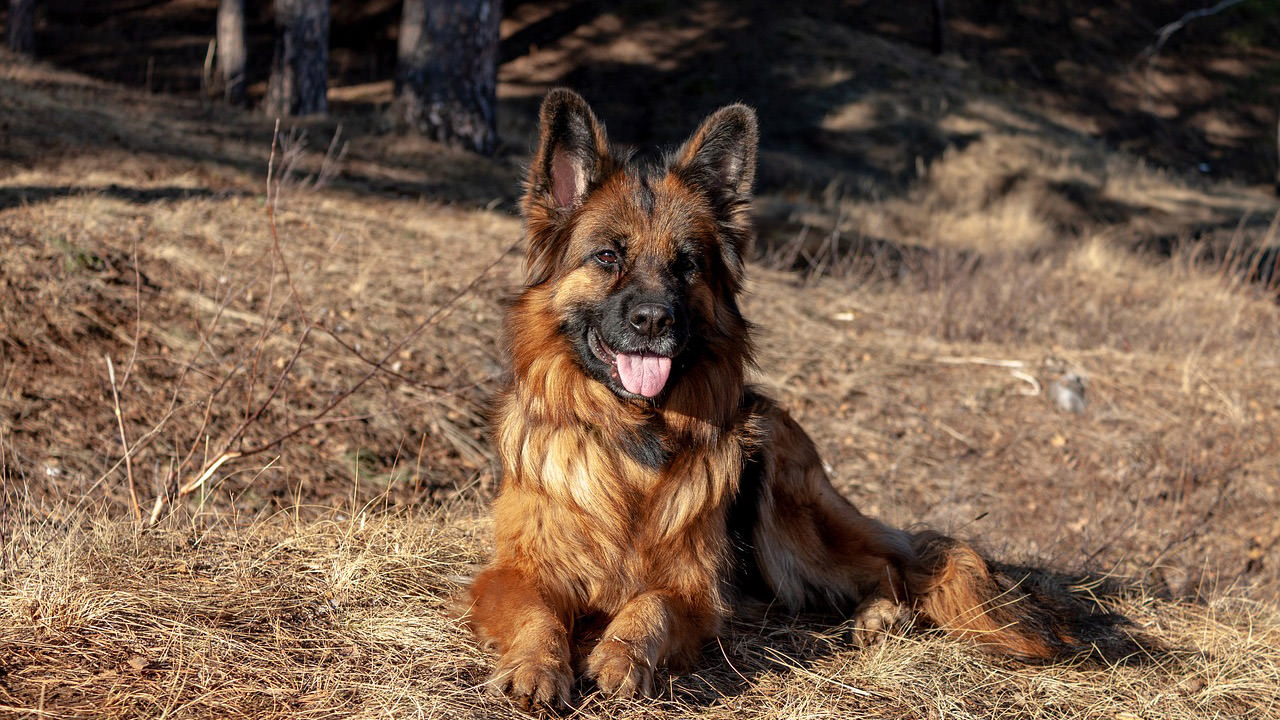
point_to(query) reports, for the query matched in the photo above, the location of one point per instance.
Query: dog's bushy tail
(1005, 610)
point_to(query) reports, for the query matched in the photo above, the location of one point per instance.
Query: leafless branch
(1167, 31)
(124, 441)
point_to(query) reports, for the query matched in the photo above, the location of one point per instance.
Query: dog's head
(641, 263)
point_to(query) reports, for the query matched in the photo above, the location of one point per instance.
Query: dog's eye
(607, 257)
(684, 265)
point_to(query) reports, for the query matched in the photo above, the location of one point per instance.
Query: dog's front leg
(511, 615)
(652, 628)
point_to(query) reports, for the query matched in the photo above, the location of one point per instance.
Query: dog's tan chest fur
(623, 527)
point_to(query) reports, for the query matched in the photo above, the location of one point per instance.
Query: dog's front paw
(532, 680)
(620, 668)
(875, 619)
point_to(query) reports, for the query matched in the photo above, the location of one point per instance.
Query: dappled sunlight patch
(1008, 224)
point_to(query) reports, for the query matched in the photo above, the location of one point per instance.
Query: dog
(647, 489)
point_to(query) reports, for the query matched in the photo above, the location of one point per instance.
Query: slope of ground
(300, 379)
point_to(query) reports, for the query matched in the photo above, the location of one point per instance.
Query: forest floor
(939, 244)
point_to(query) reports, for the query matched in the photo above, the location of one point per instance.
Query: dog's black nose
(651, 319)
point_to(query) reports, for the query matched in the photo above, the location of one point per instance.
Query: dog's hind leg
(815, 549)
(812, 546)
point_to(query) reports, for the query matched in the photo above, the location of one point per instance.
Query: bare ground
(914, 332)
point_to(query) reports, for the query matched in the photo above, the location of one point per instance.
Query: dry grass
(313, 578)
(347, 616)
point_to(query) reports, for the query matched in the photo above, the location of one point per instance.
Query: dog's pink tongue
(643, 374)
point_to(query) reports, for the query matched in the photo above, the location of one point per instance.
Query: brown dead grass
(312, 579)
(347, 616)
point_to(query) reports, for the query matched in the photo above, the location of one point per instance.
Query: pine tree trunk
(446, 80)
(232, 51)
(300, 63)
(939, 26)
(22, 26)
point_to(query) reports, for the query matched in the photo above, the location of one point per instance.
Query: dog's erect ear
(721, 155)
(720, 159)
(573, 154)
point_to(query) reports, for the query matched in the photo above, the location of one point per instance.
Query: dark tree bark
(300, 63)
(232, 50)
(22, 26)
(446, 80)
(939, 26)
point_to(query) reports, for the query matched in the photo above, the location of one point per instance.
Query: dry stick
(278, 253)
(149, 435)
(115, 393)
(974, 360)
(204, 334)
(271, 281)
(208, 408)
(370, 361)
(137, 315)
(375, 366)
(124, 442)
(1164, 33)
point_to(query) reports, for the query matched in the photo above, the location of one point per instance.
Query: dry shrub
(1091, 296)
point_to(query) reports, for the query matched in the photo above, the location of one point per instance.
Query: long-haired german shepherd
(647, 488)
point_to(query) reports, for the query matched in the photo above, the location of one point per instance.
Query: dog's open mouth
(642, 373)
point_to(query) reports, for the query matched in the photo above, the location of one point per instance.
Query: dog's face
(642, 264)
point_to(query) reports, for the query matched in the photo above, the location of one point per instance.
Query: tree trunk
(300, 63)
(22, 26)
(939, 26)
(232, 51)
(447, 76)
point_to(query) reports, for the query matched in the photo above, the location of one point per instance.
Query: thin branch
(267, 315)
(1164, 33)
(191, 486)
(124, 442)
(137, 316)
